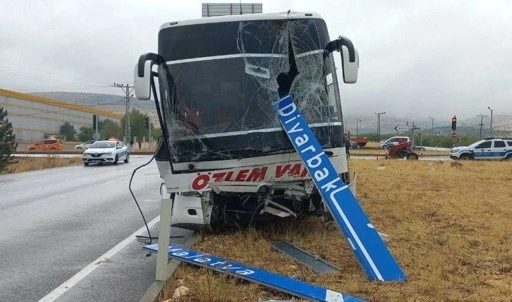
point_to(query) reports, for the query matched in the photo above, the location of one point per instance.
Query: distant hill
(368, 123)
(109, 102)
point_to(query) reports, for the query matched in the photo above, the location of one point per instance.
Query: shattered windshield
(220, 82)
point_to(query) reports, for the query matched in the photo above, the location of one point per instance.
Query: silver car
(84, 145)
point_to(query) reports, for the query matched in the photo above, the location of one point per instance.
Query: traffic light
(146, 122)
(454, 123)
(94, 122)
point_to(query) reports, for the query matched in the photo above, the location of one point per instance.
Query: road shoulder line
(68, 284)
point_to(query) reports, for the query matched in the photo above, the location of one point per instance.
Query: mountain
(109, 102)
(367, 123)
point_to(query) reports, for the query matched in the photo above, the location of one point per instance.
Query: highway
(55, 222)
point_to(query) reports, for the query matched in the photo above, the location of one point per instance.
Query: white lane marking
(64, 287)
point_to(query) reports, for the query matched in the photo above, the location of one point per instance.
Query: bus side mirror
(349, 57)
(142, 83)
(350, 69)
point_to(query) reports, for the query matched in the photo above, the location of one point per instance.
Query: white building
(34, 117)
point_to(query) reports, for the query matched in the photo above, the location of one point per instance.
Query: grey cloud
(418, 58)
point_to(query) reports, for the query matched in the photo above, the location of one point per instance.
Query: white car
(84, 145)
(106, 152)
(484, 149)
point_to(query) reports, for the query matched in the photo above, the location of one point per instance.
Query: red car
(47, 145)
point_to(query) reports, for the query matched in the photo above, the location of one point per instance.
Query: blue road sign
(282, 283)
(371, 252)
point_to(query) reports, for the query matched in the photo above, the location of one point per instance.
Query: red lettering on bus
(281, 170)
(241, 175)
(200, 182)
(218, 176)
(257, 174)
(295, 170)
(228, 176)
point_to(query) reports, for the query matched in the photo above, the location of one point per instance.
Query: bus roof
(245, 17)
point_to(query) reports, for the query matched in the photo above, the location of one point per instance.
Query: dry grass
(448, 227)
(24, 164)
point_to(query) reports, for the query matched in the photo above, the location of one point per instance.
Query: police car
(106, 152)
(485, 149)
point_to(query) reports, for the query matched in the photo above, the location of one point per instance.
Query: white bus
(225, 158)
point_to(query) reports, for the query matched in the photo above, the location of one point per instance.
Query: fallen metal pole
(317, 264)
(278, 282)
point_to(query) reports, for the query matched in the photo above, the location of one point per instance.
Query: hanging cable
(137, 203)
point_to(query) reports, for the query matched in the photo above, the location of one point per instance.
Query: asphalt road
(55, 222)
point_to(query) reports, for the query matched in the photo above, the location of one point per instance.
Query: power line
(30, 71)
(37, 79)
(63, 110)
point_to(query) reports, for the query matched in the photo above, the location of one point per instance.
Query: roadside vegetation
(7, 141)
(24, 164)
(448, 227)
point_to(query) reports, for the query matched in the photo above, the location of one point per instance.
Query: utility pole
(481, 123)
(357, 126)
(491, 120)
(432, 141)
(413, 144)
(127, 89)
(378, 123)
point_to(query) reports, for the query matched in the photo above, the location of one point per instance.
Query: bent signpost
(370, 250)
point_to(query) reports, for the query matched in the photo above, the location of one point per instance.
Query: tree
(8, 142)
(68, 131)
(85, 134)
(109, 128)
(137, 119)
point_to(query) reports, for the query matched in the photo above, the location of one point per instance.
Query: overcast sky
(417, 58)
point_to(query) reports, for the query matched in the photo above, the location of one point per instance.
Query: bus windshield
(219, 83)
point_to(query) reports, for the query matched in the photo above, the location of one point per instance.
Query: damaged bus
(224, 156)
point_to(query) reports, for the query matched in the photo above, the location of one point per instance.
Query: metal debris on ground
(317, 264)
